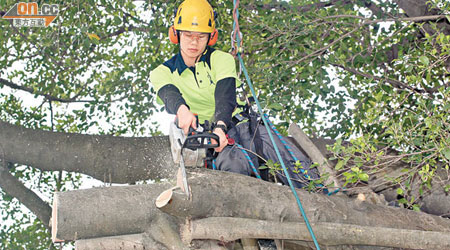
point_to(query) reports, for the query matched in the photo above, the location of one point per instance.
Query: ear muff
(213, 38)
(173, 35)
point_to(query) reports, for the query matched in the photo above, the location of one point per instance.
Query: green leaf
(275, 106)
(355, 169)
(399, 191)
(446, 153)
(363, 176)
(424, 60)
(339, 165)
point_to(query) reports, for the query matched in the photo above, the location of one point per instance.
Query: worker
(202, 80)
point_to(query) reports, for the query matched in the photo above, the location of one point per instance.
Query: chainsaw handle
(191, 129)
(198, 140)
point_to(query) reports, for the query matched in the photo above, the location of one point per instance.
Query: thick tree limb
(121, 242)
(13, 187)
(329, 234)
(226, 191)
(102, 212)
(106, 158)
(110, 211)
(314, 153)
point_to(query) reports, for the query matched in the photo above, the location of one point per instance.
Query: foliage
(349, 70)
(359, 73)
(25, 234)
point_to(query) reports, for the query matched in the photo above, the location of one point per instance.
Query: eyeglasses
(203, 37)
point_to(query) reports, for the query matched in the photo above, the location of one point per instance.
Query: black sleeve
(172, 98)
(225, 96)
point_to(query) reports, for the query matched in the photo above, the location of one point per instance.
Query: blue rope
(249, 160)
(334, 192)
(214, 164)
(288, 148)
(302, 211)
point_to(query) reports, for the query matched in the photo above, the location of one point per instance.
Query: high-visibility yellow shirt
(197, 84)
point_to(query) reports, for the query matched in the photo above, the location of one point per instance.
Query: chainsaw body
(193, 146)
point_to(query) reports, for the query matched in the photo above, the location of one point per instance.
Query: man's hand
(186, 119)
(222, 138)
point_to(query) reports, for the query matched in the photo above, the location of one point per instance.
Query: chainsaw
(190, 150)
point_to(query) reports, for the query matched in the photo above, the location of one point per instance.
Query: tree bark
(102, 212)
(219, 194)
(128, 210)
(106, 158)
(328, 234)
(121, 242)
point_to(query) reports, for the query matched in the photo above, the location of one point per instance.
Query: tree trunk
(106, 158)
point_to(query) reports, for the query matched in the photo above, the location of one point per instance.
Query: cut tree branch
(106, 158)
(329, 234)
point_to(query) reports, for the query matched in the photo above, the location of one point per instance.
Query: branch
(106, 158)
(284, 7)
(13, 187)
(393, 82)
(46, 96)
(229, 229)
(323, 49)
(53, 98)
(371, 21)
(314, 153)
(123, 30)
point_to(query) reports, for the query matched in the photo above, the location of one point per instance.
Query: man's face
(193, 43)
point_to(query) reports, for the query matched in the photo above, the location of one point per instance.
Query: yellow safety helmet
(195, 15)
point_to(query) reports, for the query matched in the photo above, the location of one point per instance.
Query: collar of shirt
(177, 62)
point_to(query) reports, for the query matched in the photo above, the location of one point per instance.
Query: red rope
(236, 32)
